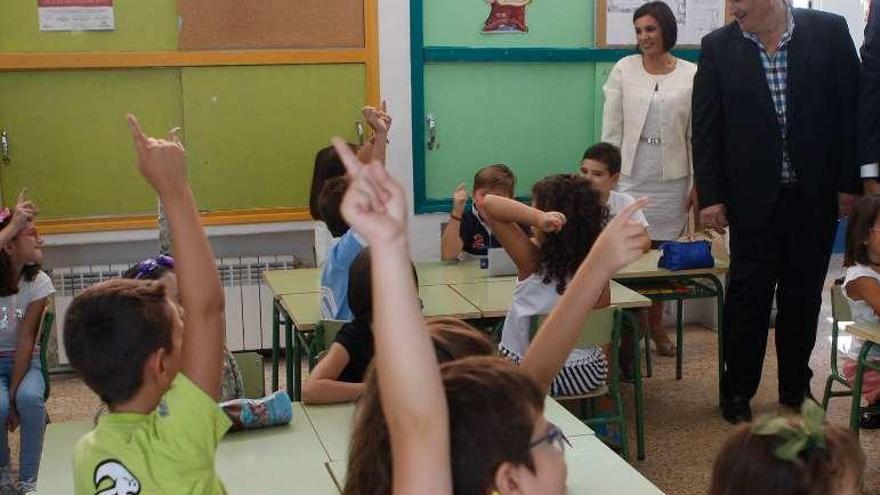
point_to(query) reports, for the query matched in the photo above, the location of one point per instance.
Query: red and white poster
(506, 16)
(76, 15)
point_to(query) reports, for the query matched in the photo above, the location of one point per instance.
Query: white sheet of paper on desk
(76, 15)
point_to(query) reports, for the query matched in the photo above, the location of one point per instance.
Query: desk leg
(276, 344)
(857, 388)
(293, 362)
(719, 300)
(637, 385)
(679, 337)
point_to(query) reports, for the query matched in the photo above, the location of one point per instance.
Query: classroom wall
(394, 81)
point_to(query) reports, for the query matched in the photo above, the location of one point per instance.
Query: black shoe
(795, 401)
(869, 419)
(736, 409)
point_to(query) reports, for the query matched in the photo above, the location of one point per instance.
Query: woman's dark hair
(327, 166)
(9, 279)
(858, 230)
(747, 464)
(564, 251)
(664, 17)
(369, 465)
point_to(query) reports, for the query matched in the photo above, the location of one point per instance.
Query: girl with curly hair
(567, 216)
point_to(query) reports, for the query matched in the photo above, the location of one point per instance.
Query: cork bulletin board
(234, 24)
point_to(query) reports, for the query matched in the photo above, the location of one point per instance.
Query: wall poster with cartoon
(506, 16)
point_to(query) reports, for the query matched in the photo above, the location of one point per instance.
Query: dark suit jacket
(737, 146)
(869, 99)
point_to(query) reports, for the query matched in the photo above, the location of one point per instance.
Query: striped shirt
(776, 70)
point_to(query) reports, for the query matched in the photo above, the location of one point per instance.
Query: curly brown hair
(564, 251)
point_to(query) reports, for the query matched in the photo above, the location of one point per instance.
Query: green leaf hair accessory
(797, 436)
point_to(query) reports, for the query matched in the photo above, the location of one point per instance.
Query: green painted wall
(556, 23)
(143, 25)
(252, 132)
(536, 118)
(70, 144)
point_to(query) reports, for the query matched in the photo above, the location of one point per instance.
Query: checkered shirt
(776, 70)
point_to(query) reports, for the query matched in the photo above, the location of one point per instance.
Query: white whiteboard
(696, 18)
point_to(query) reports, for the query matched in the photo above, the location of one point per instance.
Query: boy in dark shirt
(466, 230)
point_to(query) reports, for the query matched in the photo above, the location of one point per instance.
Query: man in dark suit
(869, 101)
(774, 112)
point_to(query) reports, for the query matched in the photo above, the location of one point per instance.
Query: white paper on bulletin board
(76, 15)
(695, 18)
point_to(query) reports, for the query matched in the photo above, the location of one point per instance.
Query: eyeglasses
(150, 265)
(554, 437)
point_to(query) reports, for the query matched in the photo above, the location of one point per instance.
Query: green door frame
(420, 55)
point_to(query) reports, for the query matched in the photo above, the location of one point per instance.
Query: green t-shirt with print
(169, 451)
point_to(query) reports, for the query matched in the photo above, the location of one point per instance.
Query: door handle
(432, 133)
(4, 147)
(359, 127)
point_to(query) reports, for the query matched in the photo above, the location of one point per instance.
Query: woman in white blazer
(647, 115)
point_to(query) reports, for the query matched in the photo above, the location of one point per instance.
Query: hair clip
(150, 265)
(4, 214)
(797, 437)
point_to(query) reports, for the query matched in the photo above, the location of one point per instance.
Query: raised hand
(161, 161)
(621, 241)
(552, 221)
(24, 212)
(374, 204)
(459, 199)
(378, 119)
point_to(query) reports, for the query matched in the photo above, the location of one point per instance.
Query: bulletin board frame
(602, 26)
(368, 55)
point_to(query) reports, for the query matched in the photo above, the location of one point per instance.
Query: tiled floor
(684, 425)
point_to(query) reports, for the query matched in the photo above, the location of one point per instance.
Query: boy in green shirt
(156, 364)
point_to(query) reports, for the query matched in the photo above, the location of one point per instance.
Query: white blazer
(627, 98)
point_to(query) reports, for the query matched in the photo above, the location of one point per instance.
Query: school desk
(444, 273)
(659, 284)
(870, 333)
(267, 461)
(302, 312)
(592, 468)
(493, 297)
(306, 280)
(332, 422)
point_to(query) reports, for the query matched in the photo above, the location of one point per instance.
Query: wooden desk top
(646, 267)
(303, 309)
(441, 300)
(266, 461)
(494, 297)
(592, 468)
(332, 422)
(595, 468)
(296, 281)
(866, 331)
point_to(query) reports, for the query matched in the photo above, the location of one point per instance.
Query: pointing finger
(140, 139)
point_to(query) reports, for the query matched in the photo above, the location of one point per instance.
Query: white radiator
(248, 300)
